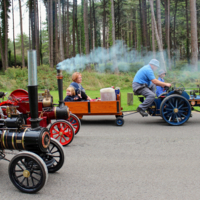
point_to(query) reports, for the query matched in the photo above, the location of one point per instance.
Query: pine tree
(82, 29)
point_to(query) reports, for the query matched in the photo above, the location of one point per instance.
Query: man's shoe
(142, 112)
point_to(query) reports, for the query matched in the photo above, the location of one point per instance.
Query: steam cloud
(118, 55)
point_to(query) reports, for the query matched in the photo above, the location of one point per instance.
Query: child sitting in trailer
(159, 89)
(71, 96)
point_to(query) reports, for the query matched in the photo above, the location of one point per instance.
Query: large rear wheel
(175, 109)
(55, 157)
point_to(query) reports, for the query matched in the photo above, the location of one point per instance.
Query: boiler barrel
(31, 140)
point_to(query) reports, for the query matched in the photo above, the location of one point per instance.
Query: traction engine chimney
(33, 88)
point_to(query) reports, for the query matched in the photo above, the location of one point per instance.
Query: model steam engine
(66, 124)
(39, 154)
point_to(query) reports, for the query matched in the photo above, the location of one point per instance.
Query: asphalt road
(145, 159)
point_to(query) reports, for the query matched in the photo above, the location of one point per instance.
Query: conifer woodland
(102, 34)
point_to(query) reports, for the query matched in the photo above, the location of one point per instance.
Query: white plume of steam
(119, 55)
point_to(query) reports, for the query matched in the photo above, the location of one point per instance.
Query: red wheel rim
(75, 123)
(62, 132)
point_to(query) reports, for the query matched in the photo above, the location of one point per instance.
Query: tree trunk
(194, 41)
(159, 22)
(60, 32)
(176, 3)
(153, 37)
(36, 31)
(74, 37)
(49, 31)
(144, 23)
(68, 36)
(56, 53)
(113, 36)
(113, 21)
(76, 26)
(187, 30)
(41, 55)
(94, 35)
(166, 23)
(82, 28)
(131, 35)
(104, 23)
(141, 26)
(91, 25)
(32, 18)
(86, 26)
(30, 36)
(6, 35)
(50, 26)
(2, 52)
(64, 25)
(14, 32)
(168, 34)
(22, 40)
(157, 35)
(118, 24)
(135, 27)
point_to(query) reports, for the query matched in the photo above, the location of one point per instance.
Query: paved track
(146, 159)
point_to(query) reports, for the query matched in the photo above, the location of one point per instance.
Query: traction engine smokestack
(62, 111)
(60, 87)
(33, 88)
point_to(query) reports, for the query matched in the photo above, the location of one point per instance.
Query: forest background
(106, 40)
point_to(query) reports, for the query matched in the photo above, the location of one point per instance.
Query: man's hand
(168, 84)
(160, 83)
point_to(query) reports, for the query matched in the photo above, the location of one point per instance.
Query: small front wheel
(119, 121)
(62, 131)
(28, 172)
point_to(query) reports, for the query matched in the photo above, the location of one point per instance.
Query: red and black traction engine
(39, 154)
(66, 124)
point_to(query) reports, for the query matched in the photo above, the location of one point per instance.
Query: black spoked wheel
(175, 110)
(28, 172)
(55, 157)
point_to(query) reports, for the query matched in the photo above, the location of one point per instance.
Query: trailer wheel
(75, 122)
(119, 121)
(55, 157)
(175, 110)
(62, 131)
(28, 172)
